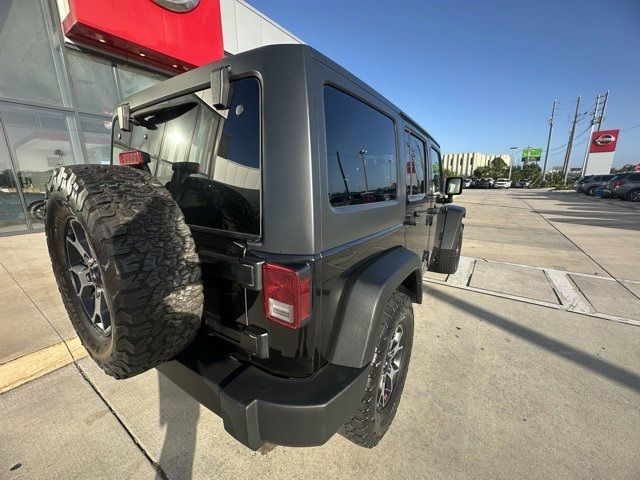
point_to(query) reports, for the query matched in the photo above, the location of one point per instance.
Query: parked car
(625, 186)
(289, 334)
(577, 185)
(484, 183)
(467, 182)
(590, 185)
(502, 183)
(523, 183)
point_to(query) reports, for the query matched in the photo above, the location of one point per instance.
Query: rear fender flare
(357, 324)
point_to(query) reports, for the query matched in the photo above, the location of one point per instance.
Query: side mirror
(220, 87)
(124, 117)
(453, 186)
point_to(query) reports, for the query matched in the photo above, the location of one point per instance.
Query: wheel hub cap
(391, 368)
(86, 277)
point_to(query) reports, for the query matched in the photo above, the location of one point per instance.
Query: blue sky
(482, 75)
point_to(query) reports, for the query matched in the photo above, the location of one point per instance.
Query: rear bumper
(257, 407)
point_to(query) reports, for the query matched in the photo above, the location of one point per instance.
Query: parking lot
(526, 364)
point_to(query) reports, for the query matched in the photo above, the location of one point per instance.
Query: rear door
(218, 190)
(435, 187)
(420, 203)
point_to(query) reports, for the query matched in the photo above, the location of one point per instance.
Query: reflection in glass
(415, 164)
(180, 136)
(93, 83)
(40, 142)
(132, 81)
(11, 211)
(27, 69)
(435, 166)
(361, 151)
(97, 138)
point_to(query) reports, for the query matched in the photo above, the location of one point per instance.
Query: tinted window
(435, 170)
(634, 177)
(415, 164)
(179, 136)
(361, 151)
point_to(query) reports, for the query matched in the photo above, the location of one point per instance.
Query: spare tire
(126, 265)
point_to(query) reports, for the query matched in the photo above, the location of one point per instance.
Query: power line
(577, 136)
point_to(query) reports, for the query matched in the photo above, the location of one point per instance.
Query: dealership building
(65, 63)
(465, 163)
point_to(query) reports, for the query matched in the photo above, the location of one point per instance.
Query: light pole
(362, 153)
(513, 149)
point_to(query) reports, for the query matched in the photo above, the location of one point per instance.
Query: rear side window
(634, 177)
(435, 171)
(361, 151)
(222, 193)
(415, 164)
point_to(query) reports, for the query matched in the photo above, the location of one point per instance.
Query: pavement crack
(157, 467)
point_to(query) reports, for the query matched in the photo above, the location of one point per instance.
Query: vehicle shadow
(601, 367)
(180, 414)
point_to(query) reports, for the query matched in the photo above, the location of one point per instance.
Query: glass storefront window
(97, 138)
(93, 83)
(11, 211)
(28, 69)
(132, 81)
(40, 141)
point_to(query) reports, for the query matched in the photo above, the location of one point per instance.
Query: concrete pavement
(560, 230)
(498, 387)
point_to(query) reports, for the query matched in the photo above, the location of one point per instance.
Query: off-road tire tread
(365, 428)
(447, 260)
(151, 270)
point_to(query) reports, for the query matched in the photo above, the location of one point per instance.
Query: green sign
(531, 153)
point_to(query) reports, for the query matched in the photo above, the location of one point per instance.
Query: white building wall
(465, 163)
(245, 28)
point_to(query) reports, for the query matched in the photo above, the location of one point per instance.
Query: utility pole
(583, 171)
(513, 149)
(567, 155)
(596, 119)
(546, 153)
(604, 110)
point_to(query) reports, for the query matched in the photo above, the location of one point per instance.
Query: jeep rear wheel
(387, 375)
(125, 264)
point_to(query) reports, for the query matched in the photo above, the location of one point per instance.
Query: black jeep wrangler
(261, 243)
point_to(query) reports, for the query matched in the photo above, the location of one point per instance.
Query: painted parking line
(570, 297)
(34, 365)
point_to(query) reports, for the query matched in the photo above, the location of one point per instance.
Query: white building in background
(245, 28)
(464, 164)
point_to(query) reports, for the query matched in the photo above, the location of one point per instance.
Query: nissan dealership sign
(602, 148)
(604, 139)
(174, 35)
(178, 5)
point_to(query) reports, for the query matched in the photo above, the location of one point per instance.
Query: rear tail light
(618, 183)
(132, 158)
(287, 294)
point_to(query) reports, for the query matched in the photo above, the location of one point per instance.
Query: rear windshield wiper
(152, 116)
